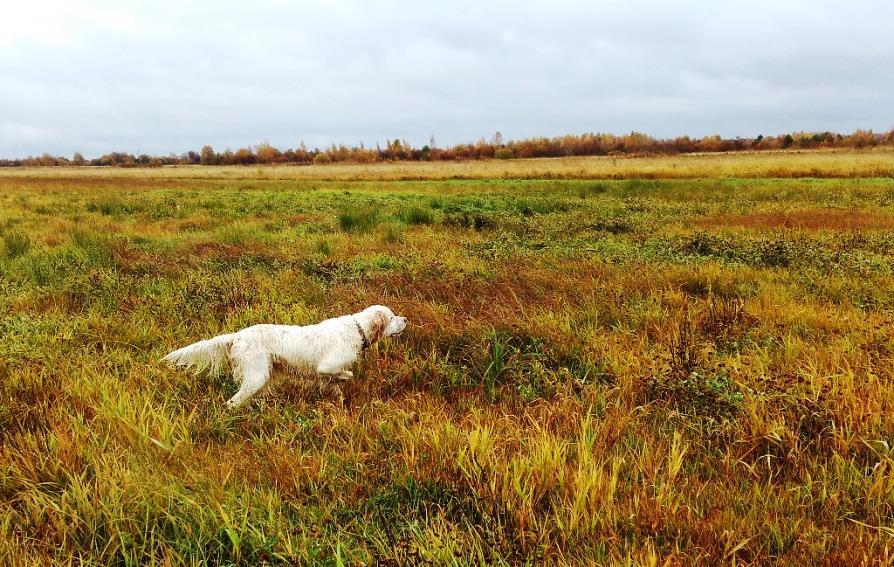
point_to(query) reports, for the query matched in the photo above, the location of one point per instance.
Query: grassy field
(630, 371)
(813, 163)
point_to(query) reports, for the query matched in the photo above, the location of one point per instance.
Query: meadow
(876, 162)
(637, 361)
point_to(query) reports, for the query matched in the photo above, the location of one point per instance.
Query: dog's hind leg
(252, 371)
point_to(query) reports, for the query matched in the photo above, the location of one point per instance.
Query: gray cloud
(167, 76)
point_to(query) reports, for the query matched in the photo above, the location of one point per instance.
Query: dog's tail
(203, 355)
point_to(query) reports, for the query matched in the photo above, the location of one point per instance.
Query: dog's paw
(334, 394)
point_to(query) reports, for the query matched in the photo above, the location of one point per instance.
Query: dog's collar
(362, 334)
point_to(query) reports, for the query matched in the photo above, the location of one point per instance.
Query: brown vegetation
(811, 219)
(590, 144)
(594, 373)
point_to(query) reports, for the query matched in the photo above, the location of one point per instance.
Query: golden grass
(805, 163)
(812, 219)
(596, 372)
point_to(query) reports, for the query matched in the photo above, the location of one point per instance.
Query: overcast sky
(161, 77)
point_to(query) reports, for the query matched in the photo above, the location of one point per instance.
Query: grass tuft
(358, 220)
(417, 215)
(16, 244)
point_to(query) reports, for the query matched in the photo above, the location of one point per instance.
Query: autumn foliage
(591, 144)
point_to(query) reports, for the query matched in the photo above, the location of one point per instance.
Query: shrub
(322, 159)
(504, 153)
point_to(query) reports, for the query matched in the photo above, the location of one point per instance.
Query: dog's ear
(377, 327)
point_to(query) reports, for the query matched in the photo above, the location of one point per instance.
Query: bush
(322, 159)
(504, 153)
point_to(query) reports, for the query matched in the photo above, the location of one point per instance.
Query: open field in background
(817, 163)
(614, 371)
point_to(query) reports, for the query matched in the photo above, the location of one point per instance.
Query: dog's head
(382, 322)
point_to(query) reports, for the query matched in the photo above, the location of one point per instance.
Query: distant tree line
(634, 143)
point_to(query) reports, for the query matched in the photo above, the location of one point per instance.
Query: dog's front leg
(330, 388)
(334, 367)
(333, 392)
(332, 371)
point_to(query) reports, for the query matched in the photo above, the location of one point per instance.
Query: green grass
(417, 215)
(358, 220)
(630, 371)
(16, 244)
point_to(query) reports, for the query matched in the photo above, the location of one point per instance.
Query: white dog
(326, 349)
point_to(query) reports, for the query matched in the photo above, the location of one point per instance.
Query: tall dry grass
(613, 372)
(785, 164)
